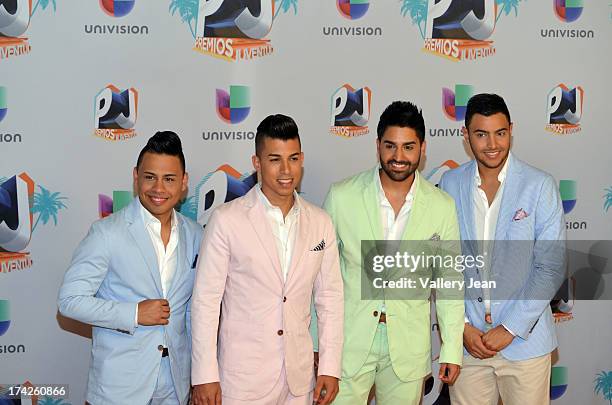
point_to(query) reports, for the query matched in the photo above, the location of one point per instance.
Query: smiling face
(279, 166)
(160, 182)
(489, 138)
(399, 152)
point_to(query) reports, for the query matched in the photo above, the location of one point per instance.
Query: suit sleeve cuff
(509, 330)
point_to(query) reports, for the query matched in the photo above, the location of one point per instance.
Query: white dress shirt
(284, 229)
(166, 255)
(485, 220)
(393, 227)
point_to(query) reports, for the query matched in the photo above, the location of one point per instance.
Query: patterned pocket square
(319, 247)
(435, 236)
(520, 214)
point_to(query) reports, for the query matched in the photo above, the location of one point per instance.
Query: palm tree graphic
(188, 10)
(608, 199)
(285, 5)
(603, 385)
(507, 6)
(46, 205)
(44, 4)
(189, 208)
(418, 11)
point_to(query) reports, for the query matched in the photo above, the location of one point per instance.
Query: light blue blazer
(113, 269)
(530, 269)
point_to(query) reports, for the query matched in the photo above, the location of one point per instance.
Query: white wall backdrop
(169, 64)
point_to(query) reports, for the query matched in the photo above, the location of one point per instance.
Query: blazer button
(160, 348)
(284, 299)
(280, 332)
(479, 299)
(375, 313)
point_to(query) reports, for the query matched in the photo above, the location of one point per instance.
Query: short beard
(401, 176)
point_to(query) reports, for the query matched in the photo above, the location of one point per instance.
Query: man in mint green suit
(387, 341)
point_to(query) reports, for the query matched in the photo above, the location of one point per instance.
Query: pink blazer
(264, 321)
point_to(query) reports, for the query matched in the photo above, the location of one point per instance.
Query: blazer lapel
(143, 241)
(466, 191)
(181, 252)
(301, 241)
(508, 207)
(372, 206)
(417, 211)
(257, 217)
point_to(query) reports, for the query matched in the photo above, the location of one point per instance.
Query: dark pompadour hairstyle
(277, 126)
(486, 104)
(163, 143)
(402, 114)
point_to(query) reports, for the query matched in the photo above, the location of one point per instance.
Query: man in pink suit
(263, 258)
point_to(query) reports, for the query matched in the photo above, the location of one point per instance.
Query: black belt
(163, 350)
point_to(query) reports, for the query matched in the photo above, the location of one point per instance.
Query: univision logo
(454, 104)
(233, 107)
(352, 10)
(109, 205)
(568, 10)
(3, 105)
(558, 382)
(5, 316)
(567, 189)
(116, 8)
(6, 137)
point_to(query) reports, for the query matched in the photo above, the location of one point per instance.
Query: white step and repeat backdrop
(84, 83)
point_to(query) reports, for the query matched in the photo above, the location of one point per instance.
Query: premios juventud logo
(232, 30)
(564, 109)
(458, 30)
(115, 113)
(15, 18)
(22, 210)
(217, 187)
(350, 111)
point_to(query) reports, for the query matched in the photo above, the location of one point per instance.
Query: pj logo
(350, 111)
(217, 187)
(564, 109)
(18, 205)
(458, 29)
(234, 29)
(14, 22)
(115, 113)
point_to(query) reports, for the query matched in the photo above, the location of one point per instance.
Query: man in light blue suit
(132, 278)
(511, 215)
